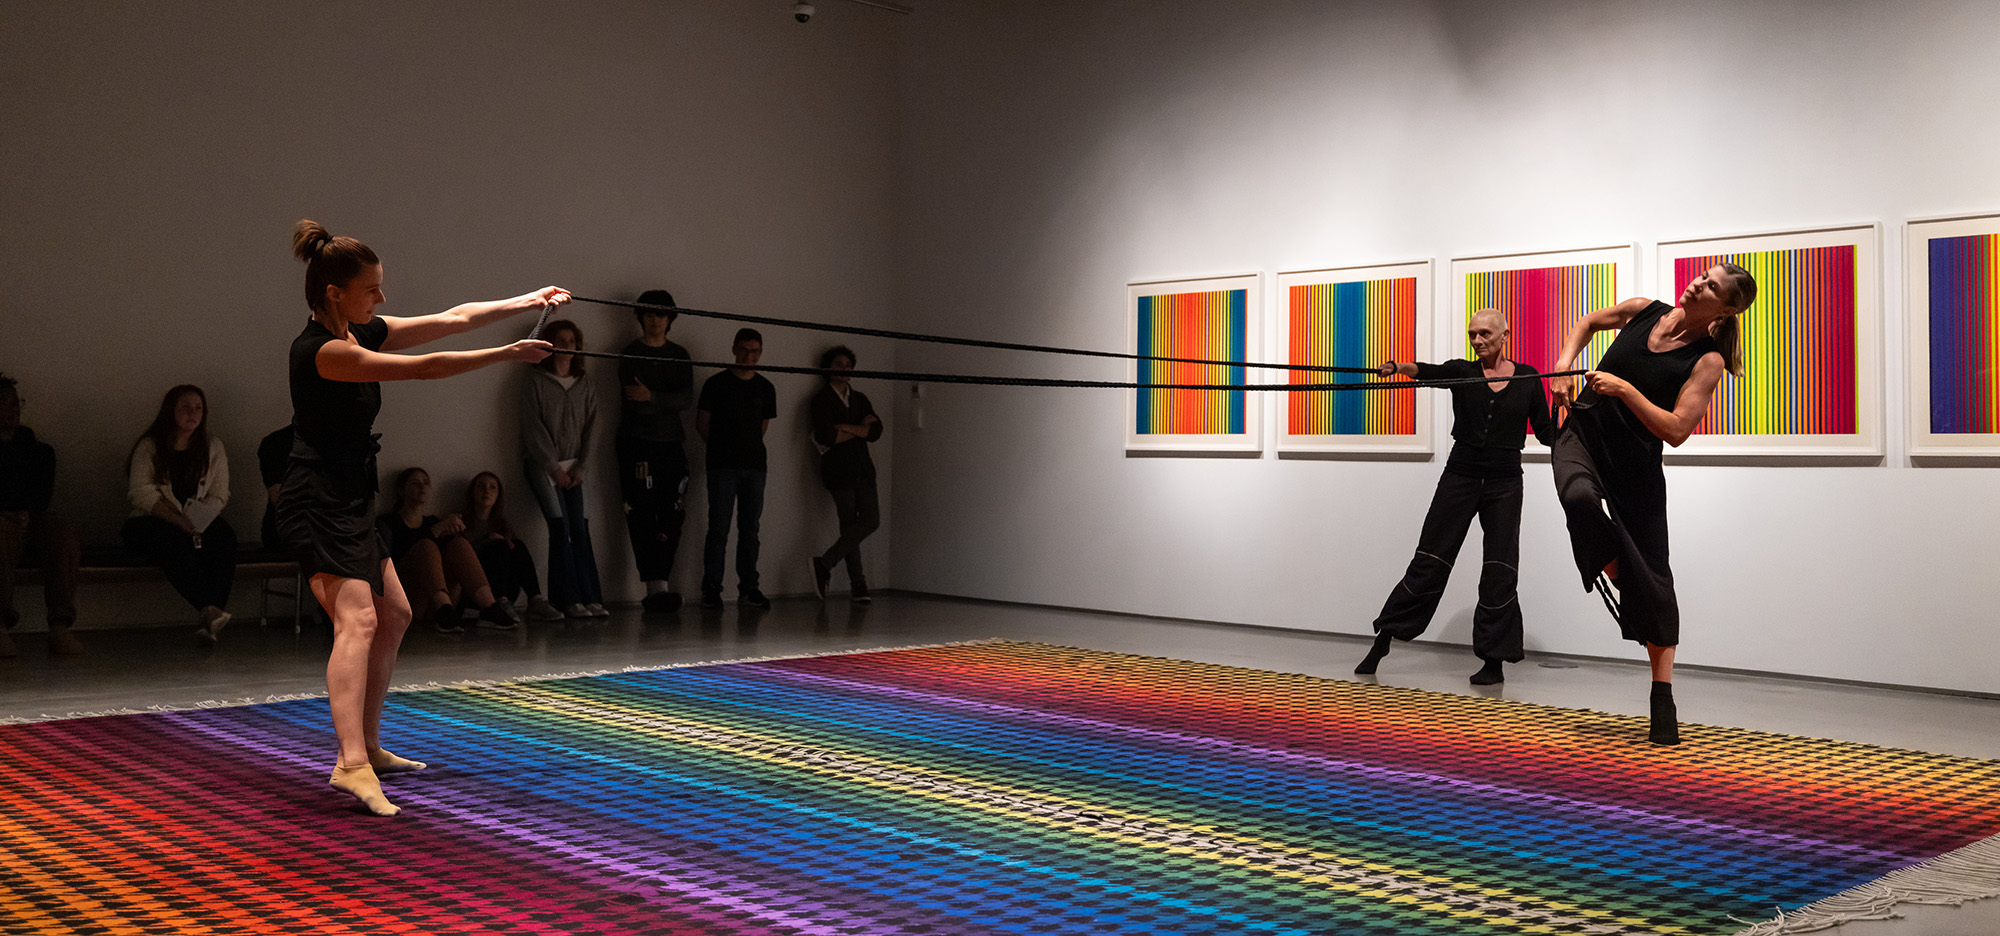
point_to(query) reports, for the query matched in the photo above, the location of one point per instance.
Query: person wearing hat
(652, 452)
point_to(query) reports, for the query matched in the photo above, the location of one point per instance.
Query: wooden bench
(118, 567)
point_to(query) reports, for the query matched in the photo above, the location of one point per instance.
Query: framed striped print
(1542, 295)
(1811, 342)
(1353, 317)
(1952, 272)
(1212, 319)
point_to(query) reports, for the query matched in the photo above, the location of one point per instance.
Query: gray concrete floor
(142, 667)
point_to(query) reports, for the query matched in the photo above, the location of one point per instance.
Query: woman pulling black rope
(326, 510)
(1650, 387)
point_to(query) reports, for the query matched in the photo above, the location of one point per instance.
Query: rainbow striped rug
(967, 789)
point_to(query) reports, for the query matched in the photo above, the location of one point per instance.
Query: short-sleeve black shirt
(333, 420)
(736, 411)
(1489, 426)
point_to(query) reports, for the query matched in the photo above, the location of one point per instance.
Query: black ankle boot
(1666, 729)
(1375, 654)
(1489, 674)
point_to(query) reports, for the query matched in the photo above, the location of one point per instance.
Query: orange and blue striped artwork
(1211, 326)
(1797, 341)
(1542, 306)
(1965, 334)
(1358, 324)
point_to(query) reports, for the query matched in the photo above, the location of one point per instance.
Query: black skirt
(326, 516)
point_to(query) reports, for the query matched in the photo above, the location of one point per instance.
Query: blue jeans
(572, 562)
(742, 489)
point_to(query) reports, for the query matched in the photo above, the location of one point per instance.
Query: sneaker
(711, 597)
(858, 593)
(753, 598)
(822, 573)
(578, 610)
(64, 643)
(468, 613)
(665, 602)
(211, 627)
(597, 609)
(539, 609)
(499, 616)
(445, 620)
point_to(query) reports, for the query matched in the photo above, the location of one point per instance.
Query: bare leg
(350, 603)
(1662, 659)
(392, 617)
(424, 566)
(463, 571)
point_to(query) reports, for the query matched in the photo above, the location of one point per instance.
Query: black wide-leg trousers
(1616, 506)
(1496, 622)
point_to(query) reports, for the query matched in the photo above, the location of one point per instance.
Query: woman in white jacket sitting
(179, 485)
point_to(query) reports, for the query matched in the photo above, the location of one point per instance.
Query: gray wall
(1002, 170)
(157, 155)
(1056, 151)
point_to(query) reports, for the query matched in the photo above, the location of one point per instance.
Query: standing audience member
(843, 423)
(735, 409)
(30, 531)
(179, 483)
(274, 456)
(558, 412)
(509, 569)
(652, 455)
(431, 554)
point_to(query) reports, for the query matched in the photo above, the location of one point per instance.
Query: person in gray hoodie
(558, 411)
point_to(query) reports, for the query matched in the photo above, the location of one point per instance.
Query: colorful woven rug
(970, 789)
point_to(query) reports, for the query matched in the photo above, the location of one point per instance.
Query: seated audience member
(274, 458)
(437, 567)
(178, 485)
(510, 570)
(31, 534)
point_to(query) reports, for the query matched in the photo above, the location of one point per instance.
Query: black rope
(967, 342)
(536, 332)
(913, 377)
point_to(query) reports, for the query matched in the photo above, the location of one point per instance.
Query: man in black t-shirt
(735, 408)
(30, 531)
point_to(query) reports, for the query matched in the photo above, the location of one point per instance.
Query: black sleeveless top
(1657, 375)
(333, 421)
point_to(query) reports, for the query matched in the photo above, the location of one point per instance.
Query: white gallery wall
(156, 156)
(1052, 152)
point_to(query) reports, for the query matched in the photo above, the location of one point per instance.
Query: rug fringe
(1955, 877)
(482, 683)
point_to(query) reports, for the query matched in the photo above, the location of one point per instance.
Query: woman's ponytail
(1725, 331)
